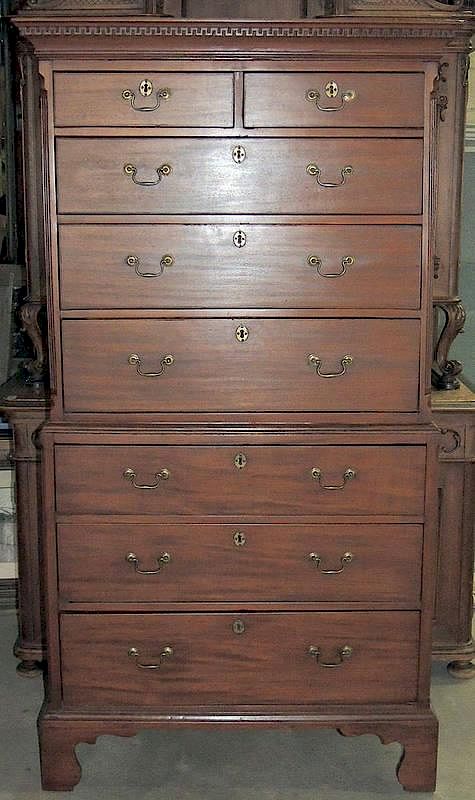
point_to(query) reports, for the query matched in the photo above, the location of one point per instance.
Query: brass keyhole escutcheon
(239, 154)
(332, 89)
(146, 88)
(238, 626)
(239, 539)
(239, 239)
(242, 333)
(240, 460)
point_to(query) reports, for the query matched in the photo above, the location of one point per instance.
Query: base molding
(8, 593)
(415, 730)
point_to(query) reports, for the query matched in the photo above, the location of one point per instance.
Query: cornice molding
(335, 28)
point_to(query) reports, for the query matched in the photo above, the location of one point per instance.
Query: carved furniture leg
(29, 315)
(445, 370)
(417, 767)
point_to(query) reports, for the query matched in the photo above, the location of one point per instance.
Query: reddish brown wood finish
(214, 371)
(382, 100)
(95, 99)
(269, 270)
(393, 174)
(386, 176)
(240, 562)
(211, 664)
(205, 480)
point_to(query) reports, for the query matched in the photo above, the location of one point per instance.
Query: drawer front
(200, 563)
(275, 480)
(97, 176)
(209, 663)
(154, 99)
(240, 266)
(374, 364)
(341, 99)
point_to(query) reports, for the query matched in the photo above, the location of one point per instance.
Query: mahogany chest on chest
(240, 461)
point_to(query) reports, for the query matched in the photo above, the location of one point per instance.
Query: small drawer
(254, 480)
(240, 266)
(126, 563)
(250, 658)
(219, 176)
(228, 365)
(158, 99)
(334, 99)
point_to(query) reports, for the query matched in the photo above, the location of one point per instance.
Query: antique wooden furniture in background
(454, 412)
(204, 466)
(25, 408)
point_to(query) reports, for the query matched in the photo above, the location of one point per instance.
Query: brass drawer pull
(146, 89)
(164, 559)
(316, 361)
(316, 261)
(345, 559)
(313, 96)
(134, 261)
(167, 652)
(348, 475)
(135, 361)
(344, 654)
(130, 475)
(315, 171)
(164, 170)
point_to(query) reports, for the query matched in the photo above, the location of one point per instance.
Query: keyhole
(239, 539)
(239, 239)
(240, 461)
(242, 333)
(239, 154)
(331, 89)
(146, 88)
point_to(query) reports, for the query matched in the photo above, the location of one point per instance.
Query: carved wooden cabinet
(240, 488)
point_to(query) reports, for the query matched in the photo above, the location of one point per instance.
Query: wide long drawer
(205, 365)
(333, 99)
(252, 658)
(135, 99)
(240, 266)
(153, 562)
(250, 480)
(216, 176)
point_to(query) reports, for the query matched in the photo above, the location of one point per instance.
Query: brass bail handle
(166, 653)
(136, 361)
(162, 171)
(316, 361)
(315, 171)
(130, 475)
(344, 654)
(314, 96)
(345, 560)
(162, 561)
(165, 261)
(317, 262)
(348, 475)
(146, 90)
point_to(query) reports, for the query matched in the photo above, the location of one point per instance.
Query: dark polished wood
(455, 414)
(238, 561)
(205, 480)
(25, 408)
(214, 371)
(386, 176)
(268, 267)
(212, 664)
(96, 99)
(246, 468)
(379, 101)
